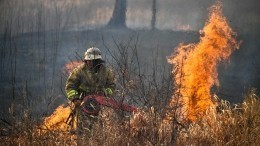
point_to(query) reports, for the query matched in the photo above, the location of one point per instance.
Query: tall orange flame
(196, 65)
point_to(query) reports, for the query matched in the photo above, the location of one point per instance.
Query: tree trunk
(154, 11)
(118, 18)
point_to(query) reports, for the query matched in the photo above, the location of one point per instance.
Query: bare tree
(118, 18)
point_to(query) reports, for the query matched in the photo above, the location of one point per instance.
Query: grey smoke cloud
(171, 14)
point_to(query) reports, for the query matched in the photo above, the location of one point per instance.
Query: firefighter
(92, 77)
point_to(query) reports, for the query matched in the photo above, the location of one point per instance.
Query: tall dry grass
(226, 125)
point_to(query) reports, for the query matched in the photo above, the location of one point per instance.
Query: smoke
(171, 14)
(244, 16)
(139, 13)
(40, 55)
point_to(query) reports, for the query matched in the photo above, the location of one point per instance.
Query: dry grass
(230, 125)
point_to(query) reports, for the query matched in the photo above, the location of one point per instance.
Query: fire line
(195, 66)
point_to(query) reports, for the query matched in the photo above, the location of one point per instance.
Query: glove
(76, 102)
(108, 91)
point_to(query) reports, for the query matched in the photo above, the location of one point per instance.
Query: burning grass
(230, 125)
(226, 125)
(195, 65)
(57, 120)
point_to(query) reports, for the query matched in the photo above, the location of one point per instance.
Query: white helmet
(92, 54)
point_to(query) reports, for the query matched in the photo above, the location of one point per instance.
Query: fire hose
(109, 102)
(91, 106)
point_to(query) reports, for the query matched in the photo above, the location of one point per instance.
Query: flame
(195, 65)
(57, 120)
(69, 67)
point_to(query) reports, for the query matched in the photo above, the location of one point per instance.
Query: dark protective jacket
(90, 81)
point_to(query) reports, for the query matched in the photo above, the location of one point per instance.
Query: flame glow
(57, 120)
(69, 67)
(195, 65)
